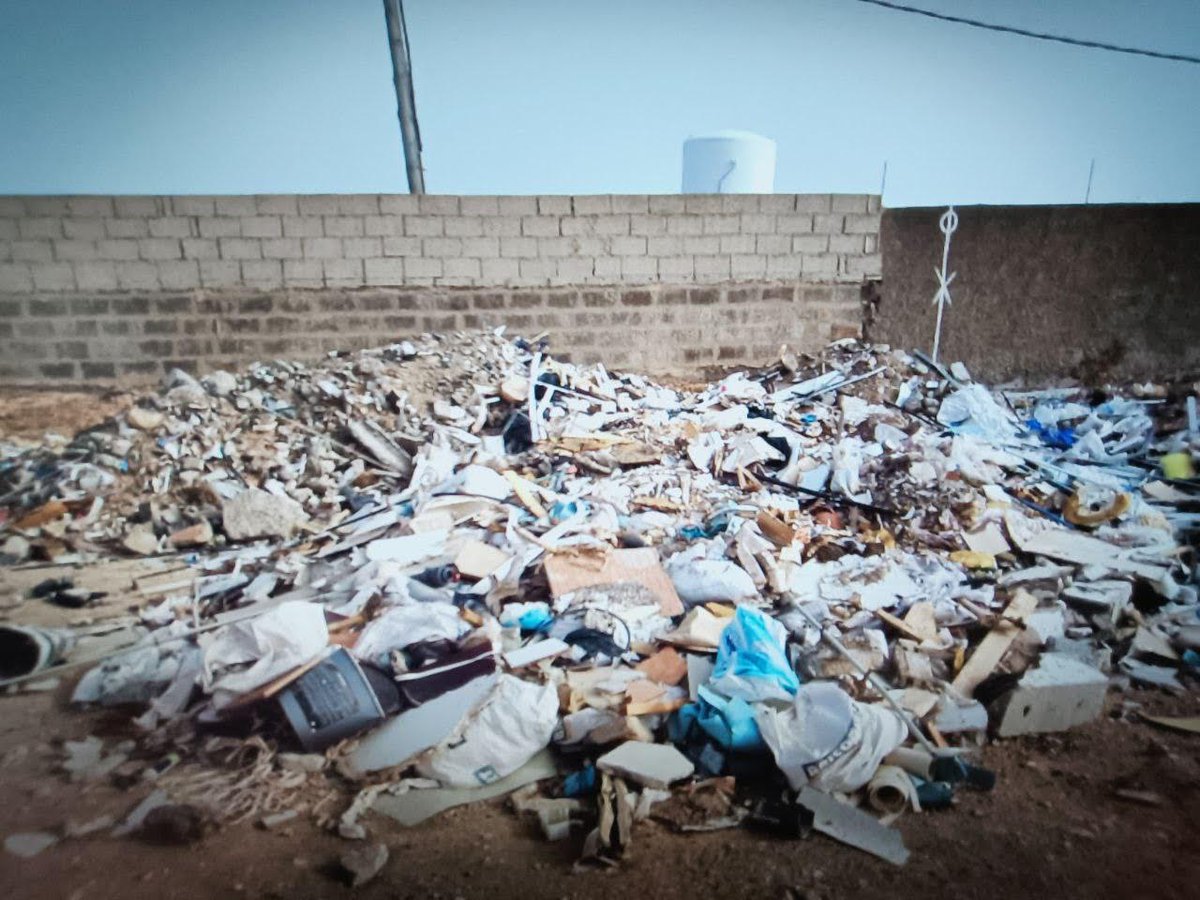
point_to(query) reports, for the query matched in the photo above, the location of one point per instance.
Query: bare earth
(1052, 828)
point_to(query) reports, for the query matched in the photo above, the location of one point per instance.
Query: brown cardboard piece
(568, 572)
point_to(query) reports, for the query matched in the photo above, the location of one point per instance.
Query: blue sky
(567, 96)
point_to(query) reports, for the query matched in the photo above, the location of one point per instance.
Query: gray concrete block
(1060, 693)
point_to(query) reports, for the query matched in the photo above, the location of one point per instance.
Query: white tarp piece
(398, 627)
(702, 574)
(828, 740)
(513, 723)
(401, 738)
(276, 642)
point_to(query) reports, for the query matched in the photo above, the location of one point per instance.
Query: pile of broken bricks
(799, 597)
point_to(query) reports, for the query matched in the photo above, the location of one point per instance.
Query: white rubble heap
(827, 565)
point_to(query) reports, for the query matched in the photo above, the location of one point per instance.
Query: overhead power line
(1057, 38)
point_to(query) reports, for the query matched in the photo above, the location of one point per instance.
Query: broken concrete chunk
(255, 514)
(144, 419)
(193, 536)
(1060, 693)
(141, 539)
(654, 765)
(274, 820)
(220, 383)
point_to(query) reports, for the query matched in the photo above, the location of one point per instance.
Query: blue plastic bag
(730, 723)
(752, 661)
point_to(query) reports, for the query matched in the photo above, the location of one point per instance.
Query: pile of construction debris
(456, 568)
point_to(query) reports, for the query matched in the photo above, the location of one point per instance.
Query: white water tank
(729, 162)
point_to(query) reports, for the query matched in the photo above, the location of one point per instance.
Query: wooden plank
(995, 644)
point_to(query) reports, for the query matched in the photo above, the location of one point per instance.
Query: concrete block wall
(98, 287)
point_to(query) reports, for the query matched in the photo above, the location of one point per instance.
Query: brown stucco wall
(1096, 292)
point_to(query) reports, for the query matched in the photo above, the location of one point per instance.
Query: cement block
(1060, 693)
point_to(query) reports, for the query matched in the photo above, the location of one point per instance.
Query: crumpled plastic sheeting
(752, 661)
(701, 574)
(139, 675)
(829, 741)
(515, 721)
(972, 410)
(276, 642)
(400, 626)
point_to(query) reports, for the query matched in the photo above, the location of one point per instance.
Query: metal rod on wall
(406, 105)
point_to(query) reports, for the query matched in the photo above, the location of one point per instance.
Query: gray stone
(29, 843)
(256, 513)
(364, 863)
(144, 419)
(220, 383)
(141, 539)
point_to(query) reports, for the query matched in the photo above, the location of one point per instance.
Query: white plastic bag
(399, 626)
(513, 723)
(702, 574)
(828, 740)
(276, 642)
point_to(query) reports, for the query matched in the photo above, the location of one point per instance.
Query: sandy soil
(29, 414)
(1053, 826)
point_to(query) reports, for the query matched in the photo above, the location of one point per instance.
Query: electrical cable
(1041, 36)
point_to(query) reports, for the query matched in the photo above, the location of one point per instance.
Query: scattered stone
(220, 383)
(193, 536)
(274, 820)
(28, 844)
(73, 829)
(173, 823)
(301, 762)
(14, 550)
(364, 863)
(256, 514)
(144, 419)
(141, 539)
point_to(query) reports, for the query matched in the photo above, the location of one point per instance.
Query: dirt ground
(1054, 825)
(29, 414)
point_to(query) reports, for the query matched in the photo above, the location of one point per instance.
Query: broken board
(844, 823)
(415, 806)
(995, 644)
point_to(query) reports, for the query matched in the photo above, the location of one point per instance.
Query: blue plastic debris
(752, 662)
(1060, 438)
(581, 783)
(729, 722)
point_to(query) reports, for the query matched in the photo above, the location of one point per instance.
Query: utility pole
(406, 105)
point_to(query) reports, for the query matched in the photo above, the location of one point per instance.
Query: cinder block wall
(123, 287)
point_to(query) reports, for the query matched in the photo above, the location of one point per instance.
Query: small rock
(364, 863)
(15, 549)
(173, 823)
(144, 419)
(220, 383)
(193, 536)
(274, 820)
(256, 513)
(82, 829)
(301, 762)
(141, 539)
(32, 843)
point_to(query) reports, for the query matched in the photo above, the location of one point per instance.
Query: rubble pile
(796, 598)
